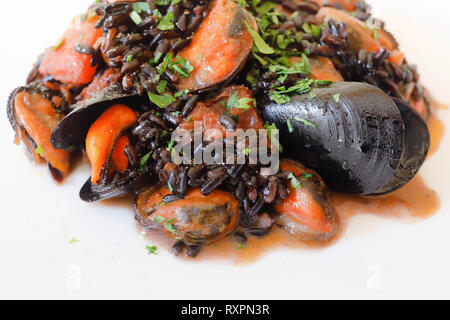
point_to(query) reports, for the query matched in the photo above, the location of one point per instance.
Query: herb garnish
(294, 181)
(162, 101)
(39, 150)
(260, 44)
(152, 250)
(166, 22)
(143, 162)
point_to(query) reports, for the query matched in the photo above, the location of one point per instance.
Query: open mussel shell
(417, 145)
(72, 130)
(92, 193)
(354, 135)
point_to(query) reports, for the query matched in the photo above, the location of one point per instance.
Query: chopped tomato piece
(209, 112)
(97, 85)
(62, 62)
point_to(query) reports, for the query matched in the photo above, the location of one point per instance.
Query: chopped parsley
(307, 176)
(166, 22)
(239, 103)
(282, 94)
(269, 128)
(39, 150)
(294, 181)
(259, 42)
(170, 145)
(73, 240)
(169, 186)
(162, 101)
(305, 122)
(141, 6)
(337, 97)
(143, 162)
(169, 226)
(159, 220)
(161, 87)
(152, 250)
(182, 66)
(136, 18)
(289, 125)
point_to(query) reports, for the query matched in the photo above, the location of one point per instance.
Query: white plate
(375, 258)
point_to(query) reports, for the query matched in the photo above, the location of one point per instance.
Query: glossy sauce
(413, 202)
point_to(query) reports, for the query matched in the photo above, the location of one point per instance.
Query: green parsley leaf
(39, 150)
(183, 67)
(152, 250)
(245, 103)
(294, 181)
(232, 101)
(260, 44)
(136, 18)
(289, 125)
(269, 128)
(166, 63)
(141, 6)
(170, 145)
(242, 3)
(307, 176)
(166, 22)
(161, 87)
(144, 160)
(305, 122)
(159, 220)
(169, 186)
(73, 241)
(266, 7)
(169, 226)
(337, 97)
(162, 101)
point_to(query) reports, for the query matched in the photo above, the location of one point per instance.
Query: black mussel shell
(72, 130)
(92, 193)
(351, 133)
(417, 145)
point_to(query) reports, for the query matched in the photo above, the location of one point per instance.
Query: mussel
(219, 48)
(360, 140)
(34, 111)
(72, 130)
(85, 125)
(307, 213)
(195, 219)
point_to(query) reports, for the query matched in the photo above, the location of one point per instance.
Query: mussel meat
(34, 111)
(72, 130)
(195, 219)
(307, 213)
(354, 135)
(219, 48)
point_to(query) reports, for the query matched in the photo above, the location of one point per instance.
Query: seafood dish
(227, 118)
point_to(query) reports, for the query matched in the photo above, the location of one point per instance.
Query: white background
(376, 257)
